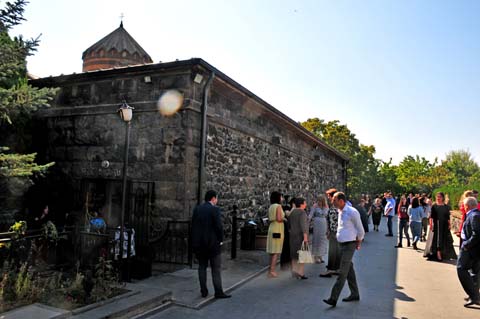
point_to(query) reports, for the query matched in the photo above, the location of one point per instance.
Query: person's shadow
(402, 296)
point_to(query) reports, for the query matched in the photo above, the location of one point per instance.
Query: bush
(22, 285)
(105, 280)
(19, 286)
(24, 280)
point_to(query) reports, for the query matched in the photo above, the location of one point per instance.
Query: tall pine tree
(18, 100)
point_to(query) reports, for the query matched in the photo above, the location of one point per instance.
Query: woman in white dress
(318, 215)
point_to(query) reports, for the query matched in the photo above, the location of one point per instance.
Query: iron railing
(73, 246)
(174, 247)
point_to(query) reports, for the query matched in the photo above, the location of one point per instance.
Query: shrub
(19, 286)
(19, 228)
(105, 280)
(25, 281)
(7, 284)
(49, 231)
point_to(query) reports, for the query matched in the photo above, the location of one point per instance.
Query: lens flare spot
(170, 102)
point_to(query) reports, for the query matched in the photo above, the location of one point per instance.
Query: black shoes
(204, 294)
(298, 276)
(223, 296)
(472, 303)
(325, 275)
(330, 302)
(400, 244)
(388, 235)
(333, 303)
(351, 298)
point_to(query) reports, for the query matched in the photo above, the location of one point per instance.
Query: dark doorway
(105, 196)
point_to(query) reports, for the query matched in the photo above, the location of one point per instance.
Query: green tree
(18, 100)
(363, 167)
(460, 167)
(475, 178)
(387, 179)
(334, 134)
(438, 177)
(365, 175)
(414, 174)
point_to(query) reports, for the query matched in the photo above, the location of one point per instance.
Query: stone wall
(251, 152)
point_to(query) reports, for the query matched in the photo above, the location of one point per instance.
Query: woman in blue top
(416, 213)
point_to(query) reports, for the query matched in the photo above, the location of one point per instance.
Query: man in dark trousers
(207, 239)
(469, 258)
(350, 234)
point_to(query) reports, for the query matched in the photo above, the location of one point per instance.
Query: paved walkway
(394, 283)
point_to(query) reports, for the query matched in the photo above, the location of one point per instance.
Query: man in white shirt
(350, 234)
(390, 212)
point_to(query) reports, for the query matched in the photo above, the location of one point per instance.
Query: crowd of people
(416, 216)
(419, 220)
(335, 227)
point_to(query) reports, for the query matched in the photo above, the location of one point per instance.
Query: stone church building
(224, 137)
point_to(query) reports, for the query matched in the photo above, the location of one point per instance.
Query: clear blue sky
(402, 75)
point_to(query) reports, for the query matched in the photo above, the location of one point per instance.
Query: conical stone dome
(118, 48)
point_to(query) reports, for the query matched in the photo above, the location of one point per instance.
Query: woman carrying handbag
(298, 236)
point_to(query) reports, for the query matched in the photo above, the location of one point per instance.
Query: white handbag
(304, 254)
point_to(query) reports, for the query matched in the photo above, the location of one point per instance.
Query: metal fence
(77, 246)
(73, 247)
(174, 247)
(34, 247)
(92, 246)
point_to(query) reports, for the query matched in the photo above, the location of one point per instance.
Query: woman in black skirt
(376, 210)
(440, 246)
(285, 258)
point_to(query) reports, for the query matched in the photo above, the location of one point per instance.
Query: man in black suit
(469, 258)
(207, 239)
